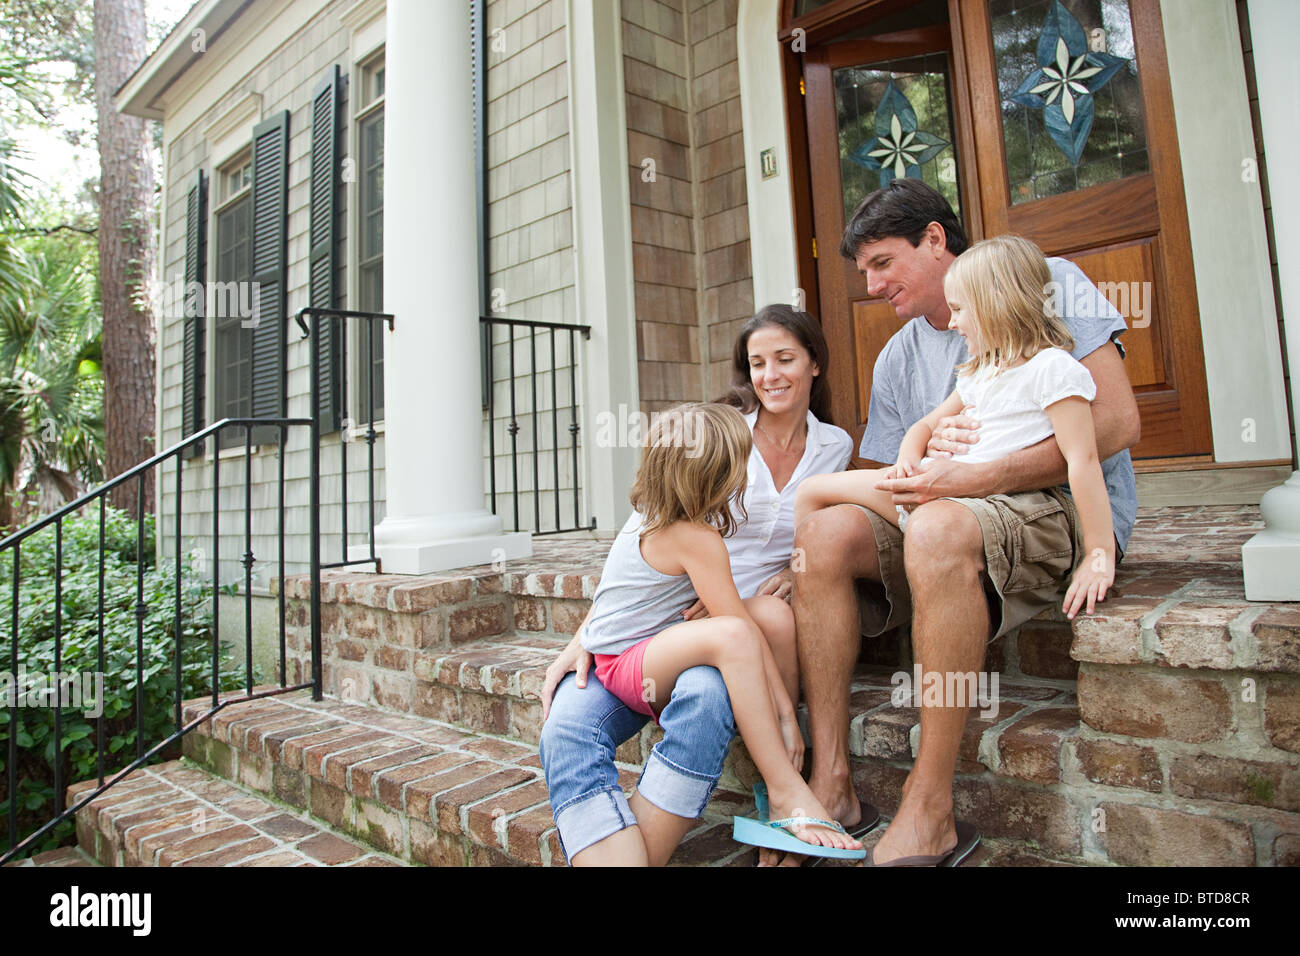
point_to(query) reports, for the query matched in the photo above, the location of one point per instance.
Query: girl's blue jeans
(586, 726)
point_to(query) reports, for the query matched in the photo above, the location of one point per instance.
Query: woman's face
(781, 370)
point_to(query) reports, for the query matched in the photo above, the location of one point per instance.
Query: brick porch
(1163, 729)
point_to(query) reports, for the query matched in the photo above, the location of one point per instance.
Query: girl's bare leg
(775, 619)
(624, 848)
(732, 646)
(844, 487)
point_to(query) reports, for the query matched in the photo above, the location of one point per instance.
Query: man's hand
(940, 479)
(954, 434)
(574, 658)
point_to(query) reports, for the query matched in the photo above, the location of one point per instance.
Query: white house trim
(772, 242)
(602, 241)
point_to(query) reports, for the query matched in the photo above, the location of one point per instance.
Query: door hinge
(802, 90)
(814, 247)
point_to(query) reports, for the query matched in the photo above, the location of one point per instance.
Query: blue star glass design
(1068, 75)
(899, 148)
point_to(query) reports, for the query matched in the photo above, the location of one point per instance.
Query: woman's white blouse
(762, 545)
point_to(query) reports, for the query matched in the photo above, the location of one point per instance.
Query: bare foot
(917, 831)
(837, 796)
(796, 800)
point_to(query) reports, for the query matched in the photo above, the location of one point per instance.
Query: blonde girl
(1024, 386)
(671, 552)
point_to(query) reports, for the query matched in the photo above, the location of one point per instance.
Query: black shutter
(270, 265)
(194, 379)
(324, 267)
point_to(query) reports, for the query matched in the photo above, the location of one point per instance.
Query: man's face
(909, 278)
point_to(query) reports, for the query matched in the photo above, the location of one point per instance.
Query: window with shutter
(269, 250)
(323, 272)
(193, 379)
(370, 235)
(230, 299)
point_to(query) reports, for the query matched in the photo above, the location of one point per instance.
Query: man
(903, 238)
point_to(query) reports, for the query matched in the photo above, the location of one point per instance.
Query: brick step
(63, 856)
(177, 814)
(419, 790)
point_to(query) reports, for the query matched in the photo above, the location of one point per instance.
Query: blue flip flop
(772, 834)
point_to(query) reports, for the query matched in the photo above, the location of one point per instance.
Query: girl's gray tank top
(633, 601)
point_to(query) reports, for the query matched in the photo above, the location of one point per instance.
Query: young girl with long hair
(670, 551)
(1024, 385)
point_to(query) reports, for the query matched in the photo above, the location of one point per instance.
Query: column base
(432, 543)
(1270, 561)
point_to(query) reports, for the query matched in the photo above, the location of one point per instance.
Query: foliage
(79, 653)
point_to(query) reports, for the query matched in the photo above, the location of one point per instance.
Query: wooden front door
(1047, 118)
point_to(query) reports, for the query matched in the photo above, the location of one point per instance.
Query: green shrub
(80, 654)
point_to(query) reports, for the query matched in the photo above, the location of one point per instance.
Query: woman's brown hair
(803, 327)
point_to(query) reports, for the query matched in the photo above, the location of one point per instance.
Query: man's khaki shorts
(1032, 541)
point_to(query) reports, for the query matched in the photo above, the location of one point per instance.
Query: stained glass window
(1072, 111)
(894, 119)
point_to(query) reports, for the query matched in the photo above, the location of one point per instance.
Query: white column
(436, 518)
(1270, 561)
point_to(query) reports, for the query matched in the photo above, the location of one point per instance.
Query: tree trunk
(126, 250)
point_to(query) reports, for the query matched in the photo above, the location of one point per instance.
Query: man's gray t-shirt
(916, 371)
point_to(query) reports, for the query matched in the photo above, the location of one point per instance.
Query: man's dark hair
(903, 208)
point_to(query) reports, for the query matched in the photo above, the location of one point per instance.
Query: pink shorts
(621, 676)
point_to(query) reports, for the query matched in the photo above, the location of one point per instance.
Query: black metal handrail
(138, 472)
(13, 543)
(513, 428)
(313, 332)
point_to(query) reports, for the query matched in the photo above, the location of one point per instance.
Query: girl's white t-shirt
(1011, 404)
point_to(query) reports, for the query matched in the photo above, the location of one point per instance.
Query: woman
(778, 381)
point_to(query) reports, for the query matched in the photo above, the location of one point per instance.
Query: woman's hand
(781, 584)
(574, 658)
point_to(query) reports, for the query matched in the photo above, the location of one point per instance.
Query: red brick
(524, 834)
(525, 720)
(530, 614)
(393, 691)
(567, 616)
(1030, 749)
(1120, 765)
(392, 782)
(1196, 635)
(1002, 809)
(438, 702)
(292, 747)
(348, 650)
(364, 773)
(477, 621)
(482, 816)
(506, 751)
(434, 848)
(273, 741)
(315, 756)
(1113, 633)
(336, 768)
(285, 858)
(393, 658)
(1236, 781)
(330, 849)
(1146, 836)
(331, 804)
(968, 759)
(1118, 701)
(447, 806)
(232, 854)
(1282, 714)
(484, 713)
(1286, 850)
(1277, 636)
(287, 827)
(1044, 651)
(420, 793)
(195, 846)
(887, 732)
(425, 594)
